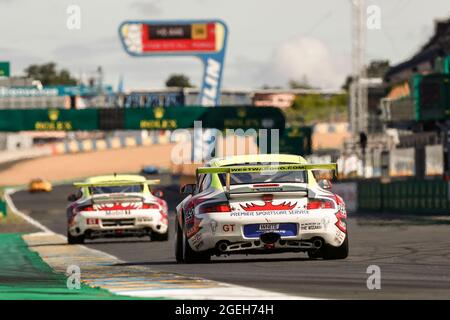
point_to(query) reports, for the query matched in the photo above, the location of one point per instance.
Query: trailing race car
(255, 204)
(116, 206)
(40, 185)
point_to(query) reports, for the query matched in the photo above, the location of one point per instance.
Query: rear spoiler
(115, 183)
(264, 168)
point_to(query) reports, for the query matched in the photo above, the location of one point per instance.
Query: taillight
(85, 208)
(214, 207)
(341, 216)
(341, 224)
(150, 206)
(320, 204)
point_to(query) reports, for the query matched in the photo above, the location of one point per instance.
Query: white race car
(260, 204)
(116, 206)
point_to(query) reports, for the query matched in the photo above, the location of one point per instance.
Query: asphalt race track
(413, 254)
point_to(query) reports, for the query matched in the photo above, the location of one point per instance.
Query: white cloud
(305, 57)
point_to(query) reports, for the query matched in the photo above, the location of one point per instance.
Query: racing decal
(309, 226)
(268, 205)
(194, 229)
(118, 206)
(228, 227)
(197, 241)
(339, 236)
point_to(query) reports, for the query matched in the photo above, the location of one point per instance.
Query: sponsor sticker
(308, 226)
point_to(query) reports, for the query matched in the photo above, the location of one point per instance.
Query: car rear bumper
(97, 225)
(223, 234)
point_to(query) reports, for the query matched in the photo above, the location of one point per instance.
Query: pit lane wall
(403, 197)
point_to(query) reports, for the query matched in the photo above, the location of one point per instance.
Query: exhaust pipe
(317, 243)
(222, 246)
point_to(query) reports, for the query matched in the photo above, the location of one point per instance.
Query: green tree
(312, 108)
(49, 75)
(178, 80)
(303, 84)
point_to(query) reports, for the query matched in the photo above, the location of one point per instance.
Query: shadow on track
(224, 261)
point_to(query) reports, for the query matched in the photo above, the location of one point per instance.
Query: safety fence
(415, 196)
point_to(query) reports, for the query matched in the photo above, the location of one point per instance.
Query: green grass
(25, 276)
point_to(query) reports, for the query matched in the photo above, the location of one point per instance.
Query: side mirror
(158, 193)
(72, 197)
(187, 189)
(325, 184)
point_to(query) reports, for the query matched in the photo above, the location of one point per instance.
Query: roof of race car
(256, 158)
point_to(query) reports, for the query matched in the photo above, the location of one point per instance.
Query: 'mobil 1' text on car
(116, 206)
(260, 204)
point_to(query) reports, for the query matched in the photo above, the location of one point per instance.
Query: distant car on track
(116, 206)
(40, 185)
(149, 170)
(255, 204)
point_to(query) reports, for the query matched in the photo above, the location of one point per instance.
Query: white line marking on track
(11, 205)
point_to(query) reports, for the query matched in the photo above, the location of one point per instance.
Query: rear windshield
(256, 177)
(117, 189)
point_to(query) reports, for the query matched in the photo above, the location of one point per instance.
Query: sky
(270, 42)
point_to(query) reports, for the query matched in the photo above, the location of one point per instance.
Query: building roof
(438, 45)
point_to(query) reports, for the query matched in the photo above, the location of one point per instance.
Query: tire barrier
(88, 145)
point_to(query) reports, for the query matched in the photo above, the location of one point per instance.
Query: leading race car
(116, 206)
(260, 204)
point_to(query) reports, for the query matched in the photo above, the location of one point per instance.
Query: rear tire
(178, 244)
(316, 254)
(160, 236)
(335, 253)
(75, 239)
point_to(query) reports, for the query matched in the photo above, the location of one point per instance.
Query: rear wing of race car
(264, 169)
(115, 183)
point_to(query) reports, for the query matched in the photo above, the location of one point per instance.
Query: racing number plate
(283, 229)
(267, 227)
